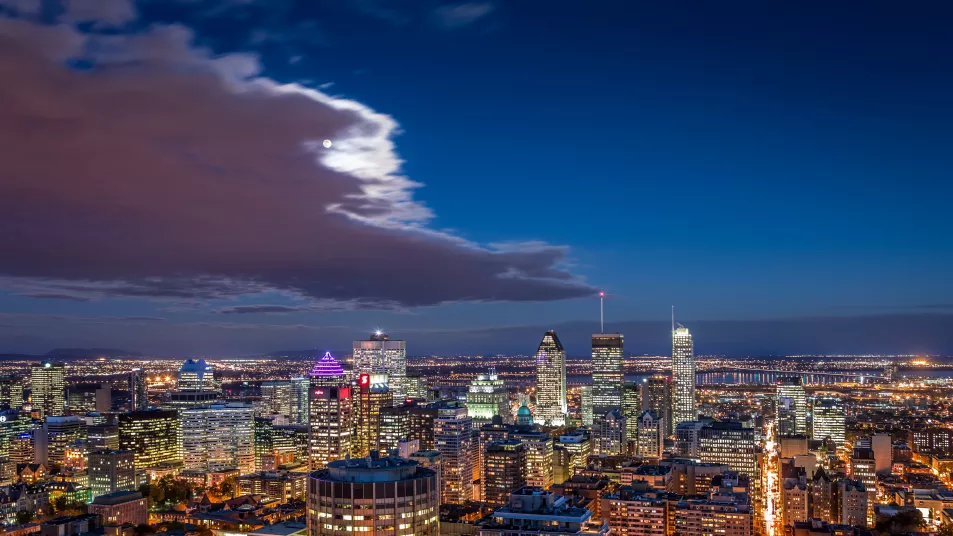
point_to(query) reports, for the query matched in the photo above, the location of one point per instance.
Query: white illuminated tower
(380, 355)
(551, 406)
(683, 375)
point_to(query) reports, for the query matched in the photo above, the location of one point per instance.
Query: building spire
(602, 318)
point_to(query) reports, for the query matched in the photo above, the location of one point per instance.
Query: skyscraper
(487, 397)
(48, 382)
(453, 435)
(153, 436)
(830, 421)
(551, 406)
(729, 443)
(196, 376)
(299, 399)
(657, 396)
(539, 457)
(219, 436)
(585, 405)
(792, 406)
(11, 392)
(504, 471)
(138, 401)
(276, 397)
(373, 395)
(607, 367)
(330, 418)
(57, 433)
(683, 376)
(632, 406)
(381, 355)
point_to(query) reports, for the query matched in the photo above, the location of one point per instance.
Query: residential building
(504, 471)
(219, 437)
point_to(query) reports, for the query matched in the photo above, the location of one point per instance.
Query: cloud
(459, 15)
(154, 169)
(263, 309)
(54, 296)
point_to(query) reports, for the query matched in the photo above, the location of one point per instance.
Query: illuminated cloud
(137, 165)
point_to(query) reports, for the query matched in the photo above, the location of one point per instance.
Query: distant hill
(72, 353)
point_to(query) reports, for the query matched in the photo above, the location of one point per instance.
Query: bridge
(752, 375)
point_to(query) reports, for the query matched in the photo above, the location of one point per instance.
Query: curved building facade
(373, 495)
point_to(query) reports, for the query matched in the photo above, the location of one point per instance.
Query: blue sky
(740, 160)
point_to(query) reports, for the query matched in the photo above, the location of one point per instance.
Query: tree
(24, 517)
(142, 530)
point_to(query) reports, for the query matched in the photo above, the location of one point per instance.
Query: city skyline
(759, 186)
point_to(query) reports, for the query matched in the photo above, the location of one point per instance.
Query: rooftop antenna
(673, 319)
(602, 318)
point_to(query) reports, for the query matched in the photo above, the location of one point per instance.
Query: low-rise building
(121, 507)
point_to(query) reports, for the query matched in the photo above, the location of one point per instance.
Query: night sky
(779, 172)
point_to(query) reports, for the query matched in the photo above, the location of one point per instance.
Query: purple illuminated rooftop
(327, 366)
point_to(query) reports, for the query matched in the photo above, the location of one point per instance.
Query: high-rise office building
(585, 405)
(551, 406)
(373, 395)
(102, 437)
(609, 435)
(11, 392)
(331, 413)
(632, 406)
(57, 433)
(453, 440)
(153, 436)
(360, 496)
(410, 420)
(138, 399)
(829, 421)
(300, 388)
(48, 384)
(649, 435)
(504, 471)
(607, 365)
(578, 446)
(487, 397)
(218, 437)
(381, 355)
(196, 376)
(276, 397)
(683, 376)
(729, 443)
(264, 444)
(417, 386)
(86, 398)
(792, 406)
(111, 471)
(657, 396)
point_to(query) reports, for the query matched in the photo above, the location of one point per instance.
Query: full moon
(327, 144)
